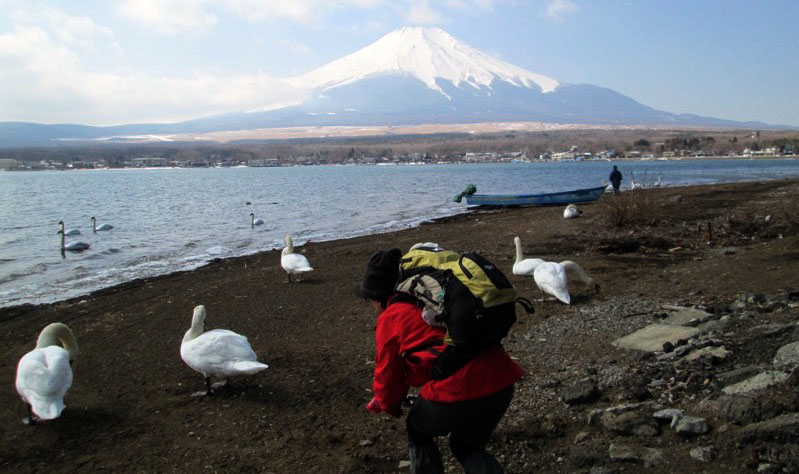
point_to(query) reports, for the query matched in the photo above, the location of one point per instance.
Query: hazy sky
(105, 62)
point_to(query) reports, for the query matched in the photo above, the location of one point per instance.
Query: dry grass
(632, 208)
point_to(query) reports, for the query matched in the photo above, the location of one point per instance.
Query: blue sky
(105, 62)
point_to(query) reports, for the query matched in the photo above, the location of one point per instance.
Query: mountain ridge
(409, 76)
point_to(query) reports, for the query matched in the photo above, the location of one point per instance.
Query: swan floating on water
(571, 212)
(550, 277)
(68, 231)
(253, 221)
(524, 267)
(72, 246)
(218, 353)
(293, 263)
(101, 227)
(45, 374)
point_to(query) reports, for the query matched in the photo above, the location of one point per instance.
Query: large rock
(756, 384)
(688, 317)
(651, 338)
(630, 423)
(624, 452)
(787, 357)
(742, 410)
(782, 429)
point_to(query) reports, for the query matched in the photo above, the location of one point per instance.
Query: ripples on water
(178, 219)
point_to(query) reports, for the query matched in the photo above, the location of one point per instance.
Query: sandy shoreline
(129, 408)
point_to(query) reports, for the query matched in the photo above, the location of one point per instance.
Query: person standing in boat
(615, 179)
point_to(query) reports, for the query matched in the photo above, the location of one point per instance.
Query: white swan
(44, 374)
(254, 222)
(101, 227)
(524, 267)
(571, 212)
(68, 231)
(550, 277)
(72, 246)
(293, 263)
(218, 353)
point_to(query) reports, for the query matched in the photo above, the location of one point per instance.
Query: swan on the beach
(100, 227)
(72, 246)
(218, 353)
(524, 267)
(550, 277)
(253, 221)
(293, 263)
(68, 231)
(45, 374)
(571, 212)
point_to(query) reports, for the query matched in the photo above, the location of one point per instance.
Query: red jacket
(400, 328)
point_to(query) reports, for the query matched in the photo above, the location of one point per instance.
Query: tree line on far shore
(440, 147)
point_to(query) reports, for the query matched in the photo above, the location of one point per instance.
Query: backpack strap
(429, 347)
(526, 304)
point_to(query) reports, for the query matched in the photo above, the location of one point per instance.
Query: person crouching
(467, 406)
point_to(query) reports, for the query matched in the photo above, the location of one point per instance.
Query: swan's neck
(59, 334)
(197, 328)
(94, 225)
(63, 240)
(289, 246)
(519, 255)
(569, 265)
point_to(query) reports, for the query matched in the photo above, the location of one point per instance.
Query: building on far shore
(9, 164)
(148, 162)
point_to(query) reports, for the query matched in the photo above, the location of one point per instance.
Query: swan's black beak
(58, 232)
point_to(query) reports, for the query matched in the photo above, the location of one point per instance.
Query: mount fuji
(410, 76)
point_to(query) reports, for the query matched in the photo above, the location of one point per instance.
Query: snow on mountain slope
(427, 54)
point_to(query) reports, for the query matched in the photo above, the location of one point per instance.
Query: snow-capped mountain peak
(427, 54)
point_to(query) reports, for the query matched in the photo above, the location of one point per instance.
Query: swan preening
(100, 227)
(550, 277)
(571, 212)
(218, 353)
(293, 263)
(253, 221)
(45, 374)
(68, 231)
(72, 246)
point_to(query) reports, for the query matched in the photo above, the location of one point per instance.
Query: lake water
(167, 220)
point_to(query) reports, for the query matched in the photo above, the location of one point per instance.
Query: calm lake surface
(167, 220)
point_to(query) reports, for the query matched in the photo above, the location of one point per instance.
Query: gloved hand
(373, 407)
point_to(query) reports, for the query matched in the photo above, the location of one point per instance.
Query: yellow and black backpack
(464, 292)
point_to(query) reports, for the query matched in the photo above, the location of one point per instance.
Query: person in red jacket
(467, 405)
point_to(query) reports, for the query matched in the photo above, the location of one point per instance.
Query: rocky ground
(718, 263)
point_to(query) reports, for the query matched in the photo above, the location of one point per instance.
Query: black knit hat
(380, 275)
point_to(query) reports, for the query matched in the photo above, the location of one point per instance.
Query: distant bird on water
(69, 231)
(293, 263)
(218, 353)
(100, 227)
(72, 246)
(45, 374)
(254, 222)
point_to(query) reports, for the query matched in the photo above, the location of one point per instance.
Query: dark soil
(130, 408)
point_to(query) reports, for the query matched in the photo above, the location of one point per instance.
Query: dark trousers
(469, 425)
